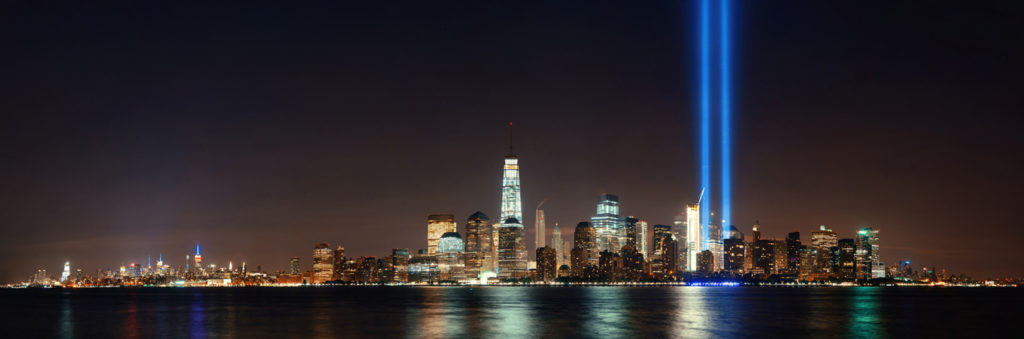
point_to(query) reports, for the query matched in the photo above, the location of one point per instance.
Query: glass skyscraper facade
(868, 264)
(610, 227)
(511, 195)
(511, 235)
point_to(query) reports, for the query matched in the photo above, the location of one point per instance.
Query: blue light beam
(726, 113)
(705, 112)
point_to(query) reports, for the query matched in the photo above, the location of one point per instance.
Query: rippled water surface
(513, 312)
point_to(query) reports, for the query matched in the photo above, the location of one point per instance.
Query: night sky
(258, 131)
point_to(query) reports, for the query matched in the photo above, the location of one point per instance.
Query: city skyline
(261, 128)
(611, 233)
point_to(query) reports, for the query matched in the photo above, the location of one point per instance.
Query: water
(509, 312)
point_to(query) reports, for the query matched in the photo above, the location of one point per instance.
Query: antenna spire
(510, 152)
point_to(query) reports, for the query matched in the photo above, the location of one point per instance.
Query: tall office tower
(735, 254)
(495, 238)
(339, 259)
(714, 244)
(539, 224)
(67, 271)
(323, 263)
(400, 262)
(511, 194)
(584, 251)
(608, 225)
(556, 244)
(512, 249)
(781, 256)
(793, 247)
(764, 255)
(295, 265)
(160, 263)
(547, 264)
(641, 238)
(661, 232)
(847, 259)
(670, 257)
(566, 253)
(199, 258)
(756, 233)
(438, 225)
(748, 257)
(694, 236)
(450, 261)
(479, 254)
(705, 262)
(868, 265)
(824, 238)
(609, 265)
(631, 232)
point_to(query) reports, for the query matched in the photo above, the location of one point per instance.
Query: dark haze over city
(260, 130)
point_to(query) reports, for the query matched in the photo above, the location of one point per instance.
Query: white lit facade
(694, 242)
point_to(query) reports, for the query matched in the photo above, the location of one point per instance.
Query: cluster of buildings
(610, 247)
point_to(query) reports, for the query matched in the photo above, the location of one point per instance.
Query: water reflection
(428, 314)
(197, 325)
(605, 307)
(864, 318)
(130, 329)
(511, 313)
(692, 312)
(67, 322)
(323, 326)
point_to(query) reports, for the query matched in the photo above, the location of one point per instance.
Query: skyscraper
(764, 254)
(714, 244)
(438, 225)
(611, 232)
(479, 254)
(694, 236)
(793, 247)
(339, 259)
(512, 249)
(199, 259)
(294, 265)
(705, 262)
(630, 223)
(584, 252)
(323, 263)
(67, 271)
(450, 261)
(400, 263)
(846, 259)
(868, 264)
(641, 238)
(661, 232)
(547, 266)
(735, 253)
(556, 243)
(511, 195)
(539, 224)
(512, 236)
(824, 238)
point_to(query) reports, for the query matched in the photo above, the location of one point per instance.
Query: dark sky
(258, 131)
